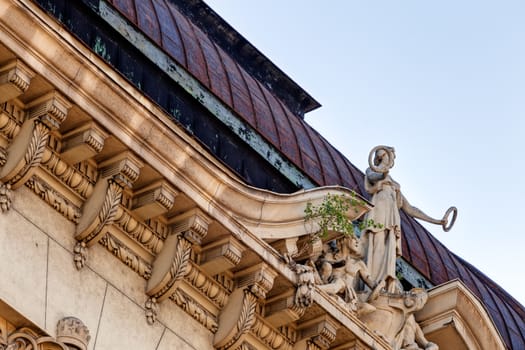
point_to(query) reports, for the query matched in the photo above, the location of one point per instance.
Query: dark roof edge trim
(250, 58)
(201, 93)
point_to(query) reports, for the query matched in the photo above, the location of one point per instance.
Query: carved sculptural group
(361, 272)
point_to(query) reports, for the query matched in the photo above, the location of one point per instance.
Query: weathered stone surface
(84, 290)
(123, 325)
(171, 341)
(23, 249)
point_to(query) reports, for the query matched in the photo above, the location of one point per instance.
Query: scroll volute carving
(100, 209)
(172, 263)
(25, 152)
(235, 320)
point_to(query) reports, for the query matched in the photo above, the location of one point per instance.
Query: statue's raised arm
(381, 241)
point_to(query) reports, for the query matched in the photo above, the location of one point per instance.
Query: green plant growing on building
(332, 215)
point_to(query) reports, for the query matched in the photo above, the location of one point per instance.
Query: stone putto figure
(340, 270)
(381, 242)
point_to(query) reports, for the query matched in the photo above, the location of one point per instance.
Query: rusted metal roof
(225, 63)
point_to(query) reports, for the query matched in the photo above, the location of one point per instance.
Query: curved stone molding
(212, 289)
(66, 173)
(72, 331)
(139, 231)
(15, 77)
(454, 316)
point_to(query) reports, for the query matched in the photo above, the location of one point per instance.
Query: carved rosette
(100, 209)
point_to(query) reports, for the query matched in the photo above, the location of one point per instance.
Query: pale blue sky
(443, 82)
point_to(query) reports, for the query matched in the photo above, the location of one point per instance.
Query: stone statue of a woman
(381, 241)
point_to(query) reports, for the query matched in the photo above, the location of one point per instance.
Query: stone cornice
(249, 214)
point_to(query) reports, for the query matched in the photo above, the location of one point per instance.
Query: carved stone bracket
(257, 278)
(153, 200)
(221, 255)
(25, 153)
(170, 266)
(82, 143)
(100, 209)
(15, 77)
(283, 310)
(192, 225)
(236, 319)
(320, 331)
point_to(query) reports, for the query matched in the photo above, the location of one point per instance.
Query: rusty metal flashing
(250, 58)
(201, 94)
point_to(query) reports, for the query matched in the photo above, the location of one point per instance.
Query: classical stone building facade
(154, 172)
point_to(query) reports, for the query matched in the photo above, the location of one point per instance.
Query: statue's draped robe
(381, 245)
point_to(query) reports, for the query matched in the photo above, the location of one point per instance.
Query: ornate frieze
(137, 230)
(195, 309)
(126, 255)
(72, 177)
(54, 198)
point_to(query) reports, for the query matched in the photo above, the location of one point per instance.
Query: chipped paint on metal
(203, 96)
(411, 275)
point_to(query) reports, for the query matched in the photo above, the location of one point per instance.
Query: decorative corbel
(172, 263)
(15, 78)
(100, 209)
(25, 153)
(193, 225)
(318, 333)
(283, 309)
(153, 200)
(82, 143)
(221, 255)
(258, 279)
(236, 320)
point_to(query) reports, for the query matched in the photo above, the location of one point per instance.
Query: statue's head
(385, 155)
